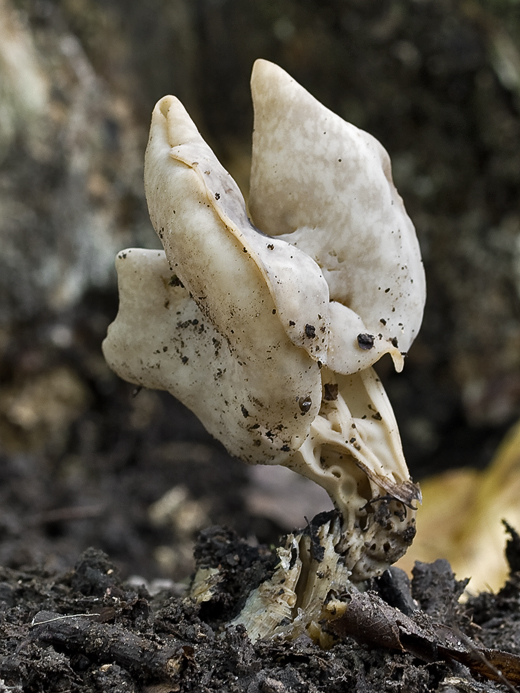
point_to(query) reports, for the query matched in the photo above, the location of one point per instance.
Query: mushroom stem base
(310, 573)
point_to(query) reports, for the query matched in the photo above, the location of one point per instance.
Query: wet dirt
(86, 629)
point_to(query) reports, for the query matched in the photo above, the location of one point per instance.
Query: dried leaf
(365, 617)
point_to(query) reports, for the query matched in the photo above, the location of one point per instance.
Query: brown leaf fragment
(365, 617)
(330, 392)
(503, 667)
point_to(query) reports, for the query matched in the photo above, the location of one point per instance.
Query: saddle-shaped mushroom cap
(270, 339)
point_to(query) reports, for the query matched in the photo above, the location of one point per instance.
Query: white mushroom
(270, 339)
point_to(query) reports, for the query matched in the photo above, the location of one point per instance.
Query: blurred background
(84, 460)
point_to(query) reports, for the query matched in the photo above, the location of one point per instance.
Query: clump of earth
(87, 629)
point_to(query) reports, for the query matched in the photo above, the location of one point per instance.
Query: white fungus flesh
(248, 399)
(268, 331)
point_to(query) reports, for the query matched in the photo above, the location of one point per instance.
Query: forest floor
(86, 629)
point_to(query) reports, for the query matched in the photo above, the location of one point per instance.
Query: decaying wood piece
(110, 643)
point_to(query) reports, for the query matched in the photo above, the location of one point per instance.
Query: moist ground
(87, 630)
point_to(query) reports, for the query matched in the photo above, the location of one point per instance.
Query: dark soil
(87, 630)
